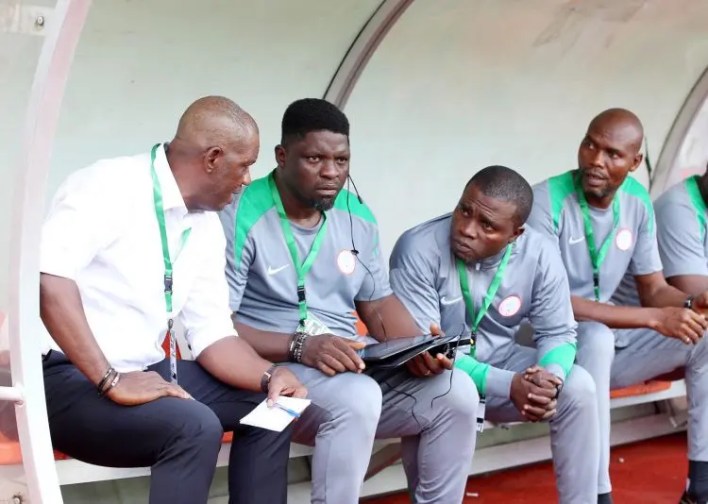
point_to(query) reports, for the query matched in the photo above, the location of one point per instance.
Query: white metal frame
(63, 31)
(361, 50)
(677, 134)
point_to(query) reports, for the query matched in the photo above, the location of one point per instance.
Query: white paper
(274, 418)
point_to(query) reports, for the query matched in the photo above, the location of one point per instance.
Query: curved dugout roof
(453, 86)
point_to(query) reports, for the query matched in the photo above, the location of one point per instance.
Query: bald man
(603, 223)
(130, 245)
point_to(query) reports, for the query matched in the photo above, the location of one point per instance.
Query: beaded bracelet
(297, 344)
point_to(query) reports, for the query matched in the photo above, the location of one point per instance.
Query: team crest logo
(509, 306)
(624, 239)
(346, 262)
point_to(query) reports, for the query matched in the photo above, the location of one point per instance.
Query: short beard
(600, 194)
(323, 205)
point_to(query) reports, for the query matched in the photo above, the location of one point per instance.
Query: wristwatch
(265, 378)
(558, 390)
(689, 302)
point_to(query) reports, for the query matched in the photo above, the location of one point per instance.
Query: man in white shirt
(129, 244)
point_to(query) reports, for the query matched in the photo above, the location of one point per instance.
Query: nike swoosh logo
(273, 271)
(573, 241)
(447, 301)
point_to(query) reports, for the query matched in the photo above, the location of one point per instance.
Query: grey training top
(681, 232)
(262, 278)
(534, 287)
(633, 249)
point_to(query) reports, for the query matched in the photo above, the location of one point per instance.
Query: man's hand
(426, 364)
(681, 323)
(536, 403)
(140, 387)
(284, 383)
(542, 378)
(332, 354)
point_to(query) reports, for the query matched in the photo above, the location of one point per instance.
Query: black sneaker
(686, 499)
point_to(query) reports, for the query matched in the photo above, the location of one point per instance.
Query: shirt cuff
(199, 340)
(499, 382)
(556, 369)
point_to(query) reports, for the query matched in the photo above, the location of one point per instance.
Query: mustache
(594, 173)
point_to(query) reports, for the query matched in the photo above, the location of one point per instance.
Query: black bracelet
(105, 379)
(109, 383)
(291, 347)
(558, 390)
(266, 377)
(112, 384)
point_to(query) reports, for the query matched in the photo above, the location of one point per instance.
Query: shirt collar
(171, 195)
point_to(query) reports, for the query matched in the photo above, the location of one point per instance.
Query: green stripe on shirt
(562, 355)
(255, 201)
(475, 369)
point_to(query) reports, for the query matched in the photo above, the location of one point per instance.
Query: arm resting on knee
(63, 315)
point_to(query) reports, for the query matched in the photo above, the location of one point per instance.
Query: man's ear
(637, 161)
(211, 156)
(280, 155)
(517, 232)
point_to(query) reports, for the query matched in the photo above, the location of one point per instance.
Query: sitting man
(303, 256)
(681, 213)
(603, 222)
(479, 271)
(681, 216)
(118, 234)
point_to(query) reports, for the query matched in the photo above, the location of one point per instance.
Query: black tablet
(377, 352)
(447, 345)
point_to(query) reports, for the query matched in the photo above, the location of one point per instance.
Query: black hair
(505, 184)
(312, 114)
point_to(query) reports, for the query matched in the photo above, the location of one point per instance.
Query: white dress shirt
(102, 233)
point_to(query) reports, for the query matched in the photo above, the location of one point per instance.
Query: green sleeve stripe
(562, 355)
(254, 202)
(475, 369)
(694, 195)
(559, 188)
(634, 188)
(346, 201)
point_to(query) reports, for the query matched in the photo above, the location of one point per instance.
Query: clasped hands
(535, 393)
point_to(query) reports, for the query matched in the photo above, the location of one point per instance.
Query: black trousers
(178, 438)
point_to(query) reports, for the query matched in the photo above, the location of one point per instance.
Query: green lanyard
(167, 278)
(301, 269)
(596, 257)
(476, 317)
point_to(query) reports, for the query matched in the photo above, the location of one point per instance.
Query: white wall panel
(140, 63)
(458, 85)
